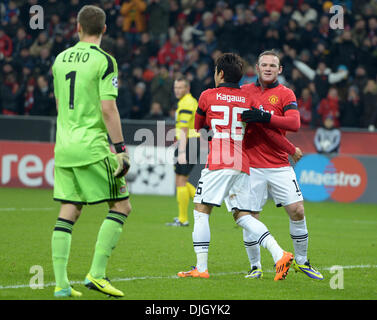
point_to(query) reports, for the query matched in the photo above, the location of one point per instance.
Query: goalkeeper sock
(201, 237)
(61, 246)
(252, 249)
(107, 239)
(183, 198)
(299, 235)
(191, 189)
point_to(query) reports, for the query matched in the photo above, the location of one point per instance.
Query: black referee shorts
(192, 156)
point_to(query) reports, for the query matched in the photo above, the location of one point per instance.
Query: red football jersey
(220, 109)
(277, 100)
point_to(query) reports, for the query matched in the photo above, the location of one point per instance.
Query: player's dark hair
(92, 20)
(269, 53)
(232, 65)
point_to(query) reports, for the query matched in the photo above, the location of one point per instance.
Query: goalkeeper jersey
(185, 116)
(83, 76)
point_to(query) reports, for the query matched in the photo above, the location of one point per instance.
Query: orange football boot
(193, 273)
(283, 265)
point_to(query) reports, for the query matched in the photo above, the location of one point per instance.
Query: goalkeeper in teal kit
(86, 171)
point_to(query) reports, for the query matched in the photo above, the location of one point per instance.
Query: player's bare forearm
(182, 140)
(182, 145)
(112, 120)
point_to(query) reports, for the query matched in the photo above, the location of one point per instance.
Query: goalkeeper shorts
(90, 184)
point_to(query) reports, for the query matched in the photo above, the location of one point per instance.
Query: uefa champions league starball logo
(151, 175)
(152, 171)
(115, 82)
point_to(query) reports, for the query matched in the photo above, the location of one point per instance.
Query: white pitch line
(50, 284)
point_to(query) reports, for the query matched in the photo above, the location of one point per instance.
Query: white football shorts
(216, 185)
(281, 183)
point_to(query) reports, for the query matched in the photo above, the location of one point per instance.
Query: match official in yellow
(188, 149)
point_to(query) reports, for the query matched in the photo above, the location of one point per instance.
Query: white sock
(299, 235)
(201, 237)
(202, 261)
(252, 249)
(271, 245)
(258, 230)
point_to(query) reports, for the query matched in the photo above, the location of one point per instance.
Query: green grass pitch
(149, 255)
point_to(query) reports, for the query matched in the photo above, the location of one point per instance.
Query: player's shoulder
(208, 92)
(60, 57)
(187, 102)
(284, 90)
(205, 98)
(249, 86)
(102, 55)
(248, 89)
(107, 62)
(189, 99)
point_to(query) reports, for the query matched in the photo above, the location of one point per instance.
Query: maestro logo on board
(342, 179)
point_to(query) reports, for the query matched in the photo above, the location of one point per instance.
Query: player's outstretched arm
(290, 121)
(114, 128)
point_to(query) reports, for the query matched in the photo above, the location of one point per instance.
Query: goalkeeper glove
(255, 115)
(123, 160)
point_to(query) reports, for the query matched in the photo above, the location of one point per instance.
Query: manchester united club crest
(273, 99)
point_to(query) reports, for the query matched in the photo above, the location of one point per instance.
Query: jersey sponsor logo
(114, 81)
(342, 179)
(273, 99)
(230, 98)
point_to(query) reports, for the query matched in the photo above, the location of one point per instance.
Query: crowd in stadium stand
(332, 71)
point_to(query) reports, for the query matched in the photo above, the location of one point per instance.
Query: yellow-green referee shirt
(185, 116)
